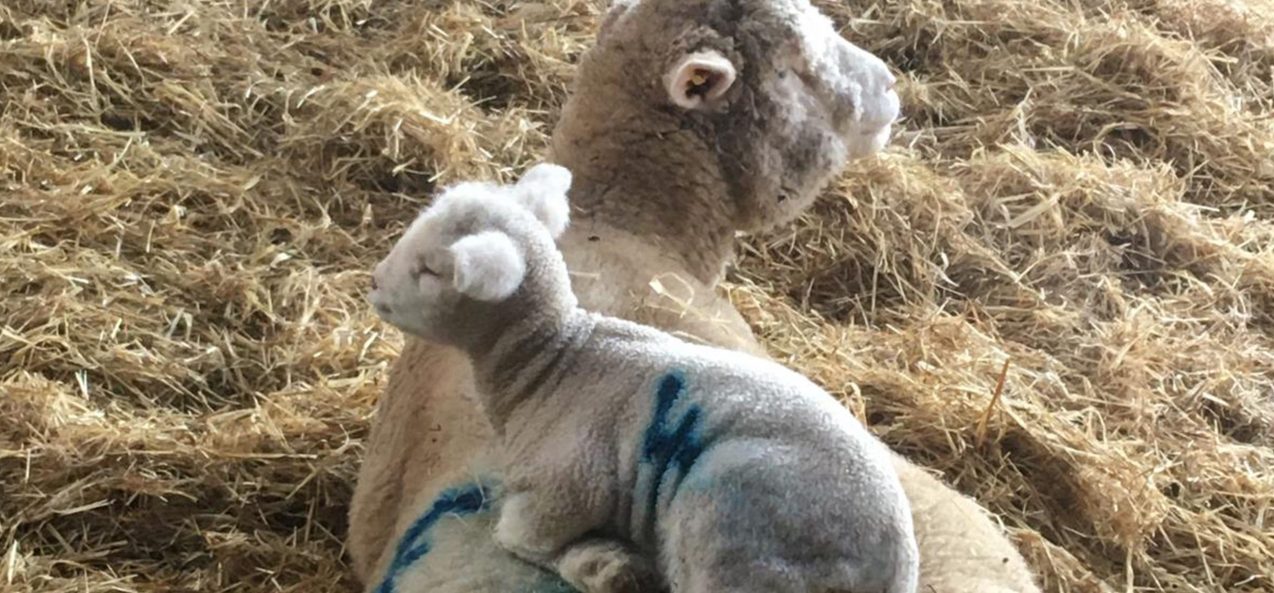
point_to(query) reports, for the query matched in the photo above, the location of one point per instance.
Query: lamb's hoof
(631, 577)
(622, 577)
(610, 569)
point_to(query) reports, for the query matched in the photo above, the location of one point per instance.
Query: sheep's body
(654, 227)
(717, 462)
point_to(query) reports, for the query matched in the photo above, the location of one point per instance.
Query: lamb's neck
(527, 360)
(664, 187)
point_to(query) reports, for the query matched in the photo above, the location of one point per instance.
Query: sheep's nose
(374, 285)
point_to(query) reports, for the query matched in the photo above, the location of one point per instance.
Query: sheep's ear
(542, 190)
(699, 80)
(488, 266)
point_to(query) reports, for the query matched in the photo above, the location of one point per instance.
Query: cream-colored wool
(659, 193)
(621, 443)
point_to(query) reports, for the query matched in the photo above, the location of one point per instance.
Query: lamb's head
(783, 100)
(478, 257)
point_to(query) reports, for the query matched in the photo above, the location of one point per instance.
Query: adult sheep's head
(479, 257)
(780, 96)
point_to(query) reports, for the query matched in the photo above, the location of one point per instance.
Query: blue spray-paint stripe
(668, 448)
(459, 501)
(690, 446)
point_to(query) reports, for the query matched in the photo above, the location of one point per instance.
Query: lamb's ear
(542, 190)
(488, 266)
(698, 80)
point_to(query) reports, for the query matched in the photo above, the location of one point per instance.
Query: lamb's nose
(374, 285)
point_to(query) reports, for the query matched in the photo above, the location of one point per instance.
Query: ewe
(735, 472)
(690, 120)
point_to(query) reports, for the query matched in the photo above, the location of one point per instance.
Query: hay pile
(1057, 288)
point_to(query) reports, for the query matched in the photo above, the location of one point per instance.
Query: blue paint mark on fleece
(670, 445)
(463, 500)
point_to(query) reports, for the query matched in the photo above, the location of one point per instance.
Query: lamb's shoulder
(595, 383)
(660, 388)
(733, 387)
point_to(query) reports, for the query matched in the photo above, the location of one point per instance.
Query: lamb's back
(670, 403)
(752, 397)
(730, 394)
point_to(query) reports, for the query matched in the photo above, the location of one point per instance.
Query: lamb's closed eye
(422, 268)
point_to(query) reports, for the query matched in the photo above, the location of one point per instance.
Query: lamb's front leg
(544, 533)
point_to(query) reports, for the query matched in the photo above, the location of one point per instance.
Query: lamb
(665, 176)
(728, 472)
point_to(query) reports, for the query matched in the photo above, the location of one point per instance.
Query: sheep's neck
(526, 360)
(662, 185)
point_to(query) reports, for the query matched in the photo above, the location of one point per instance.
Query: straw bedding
(1056, 288)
